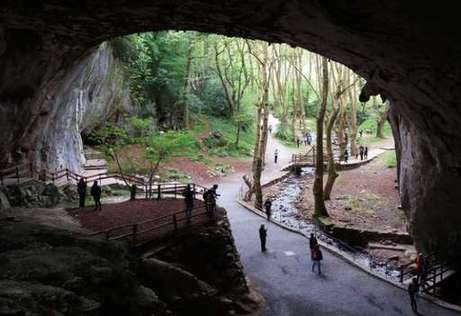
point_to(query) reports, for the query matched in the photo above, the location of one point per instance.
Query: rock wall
(89, 95)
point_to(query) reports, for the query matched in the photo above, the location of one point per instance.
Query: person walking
(81, 190)
(365, 152)
(267, 207)
(361, 152)
(133, 190)
(297, 141)
(270, 129)
(263, 237)
(346, 155)
(413, 289)
(276, 155)
(189, 201)
(313, 242)
(96, 194)
(317, 257)
(210, 196)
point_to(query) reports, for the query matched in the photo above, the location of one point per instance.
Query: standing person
(313, 242)
(189, 201)
(209, 196)
(297, 141)
(96, 194)
(361, 152)
(262, 237)
(268, 206)
(420, 267)
(413, 289)
(81, 190)
(270, 129)
(360, 133)
(317, 257)
(133, 192)
(276, 155)
(365, 152)
(346, 155)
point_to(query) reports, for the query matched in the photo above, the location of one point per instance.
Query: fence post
(135, 231)
(145, 190)
(159, 196)
(175, 190)
(67, 175)
(175, 222)
(401, 274)
(17, 175)
(193, 188)
(31, 169)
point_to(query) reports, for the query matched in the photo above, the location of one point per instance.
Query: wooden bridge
(435, 273)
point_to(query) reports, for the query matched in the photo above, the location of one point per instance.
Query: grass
(390, 159)
(369, 127)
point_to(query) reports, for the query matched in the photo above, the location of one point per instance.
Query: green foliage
(228, 129)
(390, 159)
(163, 145)
(284, 133)
(370, 125)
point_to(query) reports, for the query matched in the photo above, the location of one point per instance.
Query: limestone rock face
(89, 94)
(407, 52)
(32, 194)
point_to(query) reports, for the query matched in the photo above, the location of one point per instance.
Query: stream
(284, 211)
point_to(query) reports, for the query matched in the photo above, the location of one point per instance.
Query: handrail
(135, 232)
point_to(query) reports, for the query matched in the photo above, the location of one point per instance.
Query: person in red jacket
(317, 257)
(420, 267)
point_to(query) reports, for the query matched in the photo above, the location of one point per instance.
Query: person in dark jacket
(189, 201)
(133, 190)
(312, 242)
(262, 237)
(365, 152)
(361, 152)
(413, 289)
(81, 190)
(96, 194)
(267, 207)
(346, 155)
(317, 257)
(276, 155)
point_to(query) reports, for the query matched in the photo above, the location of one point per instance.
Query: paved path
(283, 274)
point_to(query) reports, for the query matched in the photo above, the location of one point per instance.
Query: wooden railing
(142, 232)
(150, 188)
(304, 157)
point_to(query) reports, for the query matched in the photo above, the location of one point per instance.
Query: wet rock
(4, 203)
(33, 194)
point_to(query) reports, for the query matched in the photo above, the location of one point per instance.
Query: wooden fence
(140, 233)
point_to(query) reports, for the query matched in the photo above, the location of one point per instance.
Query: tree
(319, 206)
(383, 112)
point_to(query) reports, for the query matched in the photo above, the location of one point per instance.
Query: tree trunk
(381, 121)
(353, 136)
(320, 209)
(186, 120)
(332, 175)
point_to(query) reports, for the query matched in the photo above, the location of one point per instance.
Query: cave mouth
(387, 45)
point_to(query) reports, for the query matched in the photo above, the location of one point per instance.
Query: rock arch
(408, 53)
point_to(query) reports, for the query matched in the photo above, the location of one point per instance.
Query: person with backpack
(317, 257)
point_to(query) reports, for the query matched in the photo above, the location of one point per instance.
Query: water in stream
(284, 210)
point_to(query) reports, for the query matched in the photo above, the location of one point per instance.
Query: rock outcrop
(44, 270)
(32, 194)
(407, 52)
